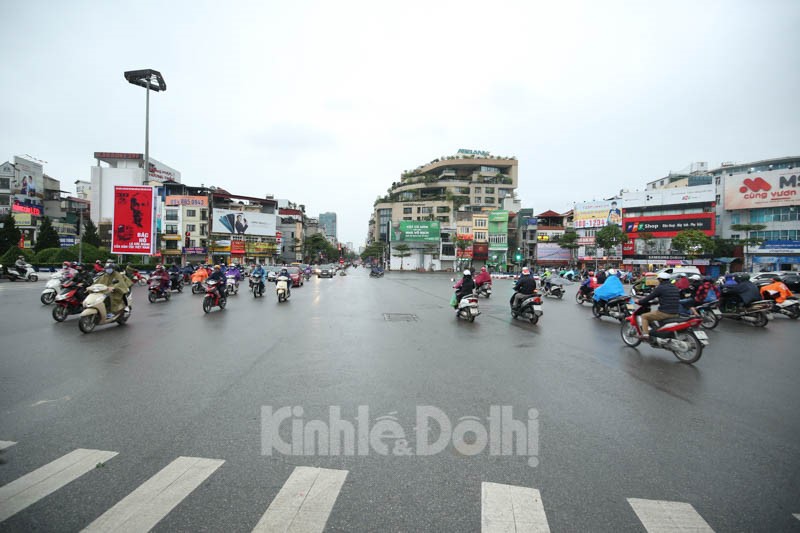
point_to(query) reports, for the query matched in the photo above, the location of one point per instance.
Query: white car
(688, 270)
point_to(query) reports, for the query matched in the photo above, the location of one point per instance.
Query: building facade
(328, 222)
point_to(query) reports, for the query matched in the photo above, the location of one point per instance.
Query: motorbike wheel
(794, 314)
(560, 295)
(151, 297)
(88, 322)
(534, 319)
(142, 281)
(710, 320)
(579, 298)
(48, 297)
(596, 311)
(123, 318)
(180, 287)
(471, 318)
(761, 320)
(60, 313)
(695, 350)
(514, 314)
(629, 335)
(197, 289)
(223, 303)
(33, 277)
(167, 296)
(207, 303)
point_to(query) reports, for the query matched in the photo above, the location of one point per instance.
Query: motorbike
(757, 313)
(29, 274)
(282, 288)
(467, 308)
(187, 278)
(95, 312)
(176, 282)
(212, 297)
(376, 274)
(709, 314)
(342, 273)
(616, 307)
(553, 290)
(580, 297)
(678, 335)
(52, 288)
(530, 308)
(307, 275)
(790, 307)
(231, 285)
(138, 278)
(70, 301)
(156, 292)
(484, 289)
(257, 287)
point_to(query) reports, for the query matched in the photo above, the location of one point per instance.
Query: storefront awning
(726, 260)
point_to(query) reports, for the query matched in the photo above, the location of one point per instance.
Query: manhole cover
(399, 317)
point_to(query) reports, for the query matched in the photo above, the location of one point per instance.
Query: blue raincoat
(611, 288)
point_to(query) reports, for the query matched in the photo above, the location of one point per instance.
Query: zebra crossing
(304, 502)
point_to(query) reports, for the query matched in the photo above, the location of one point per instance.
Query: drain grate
(399, 317)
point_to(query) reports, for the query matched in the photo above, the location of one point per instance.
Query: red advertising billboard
(669, 225)
(132, 232)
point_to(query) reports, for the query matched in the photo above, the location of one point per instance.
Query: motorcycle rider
(744, 291)
(285, 272)
(67, 272)
(777, 290)
(524, 287)
(668, 303)
(175, 276)
(82, 276)
(610, 289)
(120, 287)
(160, 274)
(465, 286)
(589, 284)
(219, 277)
(259, 275)
(702, 290)
(601, 277)
(98, 267)
(682, 282)
(482, 277)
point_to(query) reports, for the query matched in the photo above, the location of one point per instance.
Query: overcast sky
(326, 103)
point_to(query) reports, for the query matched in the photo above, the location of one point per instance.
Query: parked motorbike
(212, 297)
(95, 312)
(530, 308)
(155, 291)
(282, 288)
(553, 290)
(29, 274)
(484, 289)
(757, 313)
(52, 288)
(70, 301)
(257, 287)
(580, 297)
(231, 285)
(615, 308)
(678, 335)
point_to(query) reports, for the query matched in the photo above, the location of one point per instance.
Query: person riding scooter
(668, 303)
(524, 287)
(160, 274)
(465, 286)
(482, 277)
(777, 290)
(259, 275)
(744, 291)
(220, 278)
(611, 288)
(120, 287)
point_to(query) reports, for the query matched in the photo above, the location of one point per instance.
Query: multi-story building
(550, 227)
(526, 227)
(184, 230)
(695, 174)
(242, 228)
(328, 222)
(762, 193)
(291, 228)
(588, 219)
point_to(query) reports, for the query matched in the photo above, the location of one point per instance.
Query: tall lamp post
(151, 80)
(80, 228)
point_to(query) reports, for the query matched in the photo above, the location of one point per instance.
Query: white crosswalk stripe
(304, 502)
(508, 508)
(668, 517)
(6, 444)
(43, 481)
(143, 508)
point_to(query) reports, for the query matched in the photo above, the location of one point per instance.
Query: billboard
(191, 201)
(419, 231)
(27, 187)
(551, 251)
(134, 216)
(597, 214)
(669, 225)
(244, 222)
(498, 216)
(677, 195)
(767, 190)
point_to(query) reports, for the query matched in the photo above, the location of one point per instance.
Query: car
(688, 270)
(297, 276)
(790, 279)
(325, 272)
(272, 273)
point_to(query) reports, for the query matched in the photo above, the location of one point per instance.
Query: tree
(317, 246)
(569, 241)
(48, 236)
(693, 242)
(402, 251)
(609, 237)
(462, 244)
(748, 228)
(90, 235)
(374, 250)
(9, 233)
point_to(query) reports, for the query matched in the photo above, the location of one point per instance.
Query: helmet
(216, 267)
(66, 264)
(741, 277)
(20, 257)
(663, 276)
(98, 261)
(611, 272)
(695, 277)
(159, 267)
(467, 273)
(526, 271)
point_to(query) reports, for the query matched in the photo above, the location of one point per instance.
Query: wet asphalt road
(613, 422)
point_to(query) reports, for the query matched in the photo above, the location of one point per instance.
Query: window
(172, 214)
(204, 214)
(406, 210)
(736, 218)
(735, 236)
(716, 180)
(478, 190)
(172, 245)
(448, 249)
(718, 198)
(408, 218)
(481, 222)
(191, 213)
(480, 235)
(425, 210)
(192, 243)
(442, 209)
(5, 199)
(203, 229)
(478, 200)
(4, 183)
(774, 214)
(443, 219)
(489, 199)
(489, 190)
(191, 227)
(172, 229)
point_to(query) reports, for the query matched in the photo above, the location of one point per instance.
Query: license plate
(701, 336)
(537, 307)
(630, 307)
(717, 312)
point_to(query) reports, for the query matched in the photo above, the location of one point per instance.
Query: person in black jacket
(744, 291)
(220, 278)
(668, 303)
(465, 286)
(524, 287)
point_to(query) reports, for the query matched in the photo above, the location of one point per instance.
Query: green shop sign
(421, 231)
(464, 151)
(498, 216)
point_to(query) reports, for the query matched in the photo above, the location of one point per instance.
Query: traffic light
(518, 256)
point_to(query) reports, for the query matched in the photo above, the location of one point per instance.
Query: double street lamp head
(147, 78)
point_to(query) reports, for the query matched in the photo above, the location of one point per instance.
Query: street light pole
(151, 80)
(147, 132)
(80, 228)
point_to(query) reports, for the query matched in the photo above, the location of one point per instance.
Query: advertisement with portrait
(244, 222)
(27, 187)
(771, 189)
(134, 217)
(597, 214)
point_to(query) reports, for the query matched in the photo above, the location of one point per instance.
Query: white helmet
(611, 272)
(467, 273)
(695, 277)
(663, 275)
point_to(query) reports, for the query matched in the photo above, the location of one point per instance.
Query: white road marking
(34, 486)
(143, 508)
(666, 517)
(6, 444)
(509, 508)
(304, 502)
